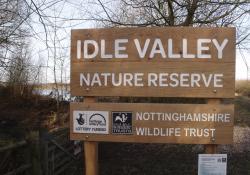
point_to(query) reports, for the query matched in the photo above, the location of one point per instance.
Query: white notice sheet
(212, 164)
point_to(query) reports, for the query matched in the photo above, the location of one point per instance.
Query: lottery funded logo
(122, 122)
(93, 122)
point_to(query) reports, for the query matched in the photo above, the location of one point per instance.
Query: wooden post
(91, 150)
(211, 148)
(43, 144)
(34, 149)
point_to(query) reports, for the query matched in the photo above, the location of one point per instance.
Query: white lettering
(141, 52)
(86, 53)
(185, 48)
(103, 54)
(218, 80)
(152, 77)
(83, 78)
(78, 49)
(170, 50)
(220, 47)
(119, 48)
(201, 48)
(157, 48)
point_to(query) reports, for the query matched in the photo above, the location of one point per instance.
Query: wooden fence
(45, 153)
(10, 159)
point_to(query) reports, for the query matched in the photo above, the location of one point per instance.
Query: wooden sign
(152, 123)
(153, 62)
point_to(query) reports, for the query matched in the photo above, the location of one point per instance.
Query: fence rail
(49, 153)
(9, 154)
(21, 169)
(58, 152)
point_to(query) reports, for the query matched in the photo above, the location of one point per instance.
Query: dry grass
(243, 87)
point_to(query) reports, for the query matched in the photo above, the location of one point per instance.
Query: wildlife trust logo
(122, 122)
(95, 122)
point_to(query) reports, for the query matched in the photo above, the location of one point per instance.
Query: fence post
(43, 134)
(35, 155)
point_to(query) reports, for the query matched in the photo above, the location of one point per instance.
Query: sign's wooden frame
(222, 129)
(212, 95)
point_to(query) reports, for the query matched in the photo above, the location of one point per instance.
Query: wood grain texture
(223, 133)
(134, 63)
(227, 69)
(91, 157)
(212, 148)
(163, 33)
(90, 150)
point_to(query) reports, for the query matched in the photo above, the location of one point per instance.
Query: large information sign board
(153, 62)
(152, 123)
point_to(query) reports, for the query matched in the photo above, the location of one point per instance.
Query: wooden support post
(91, 158)
(35, 153)
(91, 150)
(211, 148)
(43, 145)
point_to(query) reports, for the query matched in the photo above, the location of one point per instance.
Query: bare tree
(56, 17)
(21, 75)
(197, 13)
(13, 15)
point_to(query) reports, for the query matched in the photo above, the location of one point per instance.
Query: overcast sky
(72, 9)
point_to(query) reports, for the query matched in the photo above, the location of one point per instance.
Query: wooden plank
(44, 150)
(13, 146)
(20, 169)
(91, 157)
(158, 62)
(90, 150)
(212, 148)
(177, 34)
(169, 79)
(223, 131)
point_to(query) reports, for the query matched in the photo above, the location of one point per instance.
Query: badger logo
(122, 118)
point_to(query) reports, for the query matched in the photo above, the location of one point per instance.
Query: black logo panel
(121, 122)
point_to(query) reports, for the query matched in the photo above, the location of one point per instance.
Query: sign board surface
(212, 164)
(152, 123)
(153, 62)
